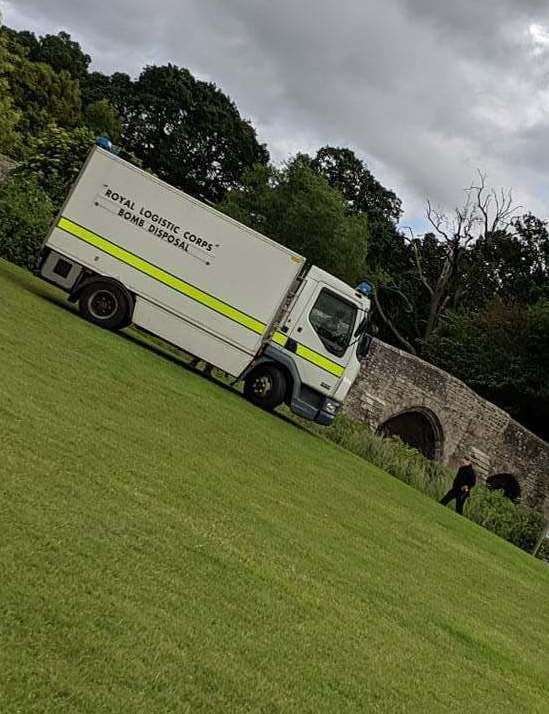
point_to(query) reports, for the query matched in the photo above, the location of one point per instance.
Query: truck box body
(205, 282)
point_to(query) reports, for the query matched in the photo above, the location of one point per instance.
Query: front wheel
(265, 386)
(105, 304)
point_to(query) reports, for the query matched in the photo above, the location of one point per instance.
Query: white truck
(130, 249)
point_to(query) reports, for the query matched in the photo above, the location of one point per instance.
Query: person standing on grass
(464, 481)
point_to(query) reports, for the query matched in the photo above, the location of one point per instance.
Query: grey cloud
(426, 91)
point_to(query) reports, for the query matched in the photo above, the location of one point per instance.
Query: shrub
(517, 524)
(25, 215)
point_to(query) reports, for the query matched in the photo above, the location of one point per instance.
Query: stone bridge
(399, 394)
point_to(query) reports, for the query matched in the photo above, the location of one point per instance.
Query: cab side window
(333, 319)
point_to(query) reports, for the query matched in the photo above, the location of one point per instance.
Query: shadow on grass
(141, 339)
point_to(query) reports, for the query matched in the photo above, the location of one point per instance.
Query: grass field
(167, 547)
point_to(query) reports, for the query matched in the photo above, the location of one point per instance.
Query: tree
(61, 53)
(298, 208)
(440, 273)
(186, 131)
(362, 192)
(101, 118)
(25, 41)
(43, 96)
(512, 264)
(502, 352)
(10, 118)
(117, 88)
(55, 159)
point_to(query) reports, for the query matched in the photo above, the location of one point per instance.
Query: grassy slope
(166, 547)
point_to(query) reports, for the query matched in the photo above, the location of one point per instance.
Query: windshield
(333, 319)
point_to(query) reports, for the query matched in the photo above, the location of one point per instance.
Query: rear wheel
(265, 386)
(105, 304)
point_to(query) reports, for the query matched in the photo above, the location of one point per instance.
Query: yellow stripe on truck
(153, 271)
(320, 360)
(306, 353)
(279, 338)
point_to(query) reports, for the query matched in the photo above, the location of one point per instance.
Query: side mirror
(364, 346)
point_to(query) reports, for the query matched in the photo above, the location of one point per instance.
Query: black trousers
(459, 496)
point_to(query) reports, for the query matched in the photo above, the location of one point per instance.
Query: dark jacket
(465, 476)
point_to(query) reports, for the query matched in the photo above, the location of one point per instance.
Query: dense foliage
(25, 214)
(502, 351)
(54, 159)
(10, 117)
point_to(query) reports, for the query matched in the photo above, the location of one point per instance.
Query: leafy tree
(511, 264)
(186, 131)
(388, 255)
(60, 51)
(62, 54)
(23, 41)
(362, 192)
(55, 159)
(9, 117)
(43, 96)
(25, 215)
(502, 352)
(298, 208)
(117, 88)
(101, 118)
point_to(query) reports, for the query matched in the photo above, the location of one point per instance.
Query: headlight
(330, 406)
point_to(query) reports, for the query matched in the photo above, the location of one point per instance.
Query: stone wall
(451, 416)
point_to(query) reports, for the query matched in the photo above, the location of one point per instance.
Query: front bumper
(328, 412)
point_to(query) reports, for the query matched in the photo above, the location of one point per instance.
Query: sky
(425, 91)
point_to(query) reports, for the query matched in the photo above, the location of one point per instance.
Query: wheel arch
(288, 369)
(92, 278)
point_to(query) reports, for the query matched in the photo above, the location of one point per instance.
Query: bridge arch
(418, 427)
(506, 483)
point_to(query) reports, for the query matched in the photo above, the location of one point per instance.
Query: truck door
(320, 330)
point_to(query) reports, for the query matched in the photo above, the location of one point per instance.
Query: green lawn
(167, 547)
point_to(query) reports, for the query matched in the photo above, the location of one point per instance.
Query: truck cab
(317, 348)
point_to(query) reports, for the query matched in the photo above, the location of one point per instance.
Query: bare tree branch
(437, 220)
(439, 269)
(412, 242)
(391, 325)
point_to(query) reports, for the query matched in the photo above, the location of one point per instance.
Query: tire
(105, 304)
(266, 386)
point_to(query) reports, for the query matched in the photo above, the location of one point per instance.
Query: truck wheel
(265, 386)
(105, 304)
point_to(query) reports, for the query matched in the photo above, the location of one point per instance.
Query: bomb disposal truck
(130, 249)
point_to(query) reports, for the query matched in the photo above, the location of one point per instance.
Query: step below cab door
(319, 331)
